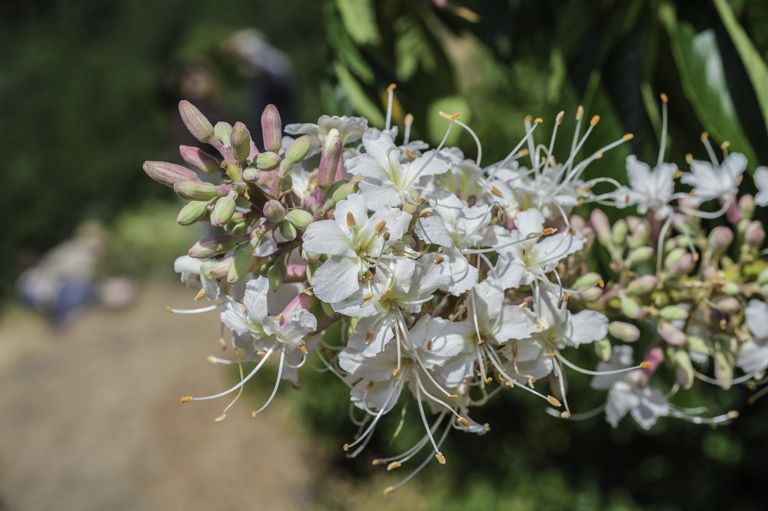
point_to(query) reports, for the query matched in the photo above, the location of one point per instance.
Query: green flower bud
(619, 232)
(640, 236)
(630, 307)
(626, 332)
(195, 121)
(603, 349)
(274, 211)
(696, 345)
(731, 288)
(762, 278)
(287, 230)
(601, 226)
(642, 285)
(673, 313)
(223, 210)
(639, 255)
(746, 206)
(272, 129)
(683, 368)
(199, 159)
(168, 174)
(275, 275)
(286, 183)
(591, 294)
(719, 240)
(196, 190)
(670, 333)
(339, 191)
(241, 142)
(250, 174)
(755, 234)
(586, 281)
(299, 218)
(682, 266)
(210, 247)
(223, 132)
(241, 263)
(267, 161)
(729, 305)
(673, 257)
(723, 370)
(192, 212)
(297, 151)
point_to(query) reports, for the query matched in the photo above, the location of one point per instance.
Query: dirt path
(91, 418)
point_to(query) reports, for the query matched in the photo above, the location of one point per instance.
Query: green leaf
(359, 18)
(750, 57)
(357, 97)
(411, 49)
(701, 72)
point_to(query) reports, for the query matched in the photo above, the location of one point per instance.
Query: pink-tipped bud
(192, 212)
(302, 301)
(196, 190)
(267, 161)
(168, 174)
(298, 150)
(755, 234)
(630, 307)
(197, 124)
(671, 334)
(272, 129)
(720, 239)
(329, 163)
(223, 210)
(295, 273)
(729, 305)
(274, 211)
(642, 285)
(673, 313)
(683, 368)
(640, 235)
(199, 159)
(723, 370)
(210, 247)
(682, 266)
(601, 226)
(746, 207)
(241, 142)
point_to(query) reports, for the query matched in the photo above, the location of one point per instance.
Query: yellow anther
(411, 154)
(385, 294)
(439, 259)
(429, 345)
(688, 158)
(725, 145)
(186, 399)
(440, 458)
(380, 226)
(645, 365)
(350, 219)
(391, 87)
(553, 401)
(559, 117)
(565, 414)
(368, 297)
(408, 119)
(538, 120)
(580, 113)
(200, 294)
(393, 465)
(368, 336)
(464, 422)
(627, 137)
(424, 212)
(488, 380)
(594, 120)
(395, 371)
(548, 231)
(449, 117)
(495, 191)
(664, 97)
(527, 119)
(345, 447)
(389, 490)
(704, 136)
(601, 283)
(523, 153)
(368, 387)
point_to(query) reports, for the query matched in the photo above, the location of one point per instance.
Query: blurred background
(91, 365)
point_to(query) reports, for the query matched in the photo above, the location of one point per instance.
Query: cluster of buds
(454, 281)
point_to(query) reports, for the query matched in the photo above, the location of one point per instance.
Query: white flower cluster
(452, 281)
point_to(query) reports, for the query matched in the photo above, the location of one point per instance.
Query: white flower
(629, 392)
(560, 328)
(355, 243)
(350, 129)
(761, 181)
(648, 189)
(387, 180)
(194, 273)
(526, 256)
(455, 226)
(496, 321)
(713, 181)
(753, 354)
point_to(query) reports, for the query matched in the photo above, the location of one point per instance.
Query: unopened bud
(639, 236)
(223, 210)
(241, 263)
(723, 370)
(286, 183)
(267, 161)
(168, 174)
(642, 285)
(755, 234)
(329, 162)
(729, 305)
(696, 345)
(275, 275)
(287, 230)
(630, 307)
(299, 218)
(731, 288)
(241, 142)
(199, 159)
(603, 349)
(626, 332)
(671, 334)
(223, 131)
(601, 226)
(272, 129)
(639, 255)
(720, 239)
(192, 212)
(586, 281)
(619, 232)
(683, 265)
(250, 174)
(673, 313)
(746, 206)
(195, 121)
(683, 368)
(762, 278)
(298, 150)
(196, 190)
(210, 247)
(274, 211)
(673, 256)
(591, 294)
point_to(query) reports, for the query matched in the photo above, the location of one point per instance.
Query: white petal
(378, 196)
(336, 279)
(431, 229)
(529, 221)
(757, 319)
(761, 181)
(587, 326)
(255, 299)
(621, 399)
(516, 323)
(652, 405)
(326, 237)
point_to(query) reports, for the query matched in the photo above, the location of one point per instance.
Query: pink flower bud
(199, 159)
(274, 211)
(272, 129)
(601, 226)
(746, 207)
(720, 238)
(197, 124)
(643, 285)
(241, 142)
(755, 234)
(295, 273)
(682, 265)
(654, 357)
(168, 174)
(302, 301)
(329, 162)
(671, 334)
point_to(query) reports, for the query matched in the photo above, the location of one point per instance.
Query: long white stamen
(415, 177)
(573, 366)
(390, 100)
(477, 141)
(239, 393)
(242, 382)
(660, 243)
(408, 123)
(277, 384)
(663, 130)
(513, 152)
(426, 424)
(195, 311)
(577, 416)
(421, 466)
